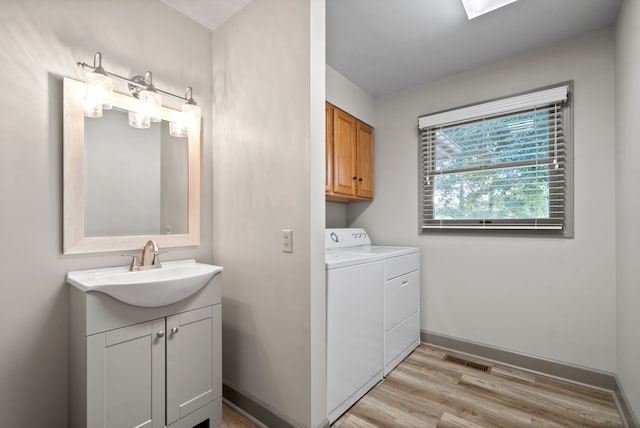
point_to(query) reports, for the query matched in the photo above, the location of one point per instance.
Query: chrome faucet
(148, 260)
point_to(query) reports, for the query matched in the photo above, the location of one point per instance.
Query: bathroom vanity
(145, 340)
(135, 366)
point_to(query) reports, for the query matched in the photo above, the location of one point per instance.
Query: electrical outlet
(287, 241)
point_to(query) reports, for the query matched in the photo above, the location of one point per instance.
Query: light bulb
(188, 120)
(192, 112)
(151, 105)
(99, 91)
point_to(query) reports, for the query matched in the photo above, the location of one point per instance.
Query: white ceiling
(385, 46)
(209, 13)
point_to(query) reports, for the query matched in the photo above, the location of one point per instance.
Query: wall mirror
(124, 186)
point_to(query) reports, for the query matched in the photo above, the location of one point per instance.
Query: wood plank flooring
(233, 419)
(425, 391)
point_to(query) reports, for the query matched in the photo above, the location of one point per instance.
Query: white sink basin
(174, 281)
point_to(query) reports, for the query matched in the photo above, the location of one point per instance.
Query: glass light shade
(92, 109)
(188, 119)
(180, 128)
(98, 94)
(139, 120)
(151, 105)
(192, 112)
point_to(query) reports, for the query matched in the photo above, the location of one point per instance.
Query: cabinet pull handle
(160, 333)
(174, 330)
(404, 283)
(360, 179)
(354, 177)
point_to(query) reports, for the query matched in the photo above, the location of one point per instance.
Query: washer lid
(334, 259)
(341, 238)
(384, 250)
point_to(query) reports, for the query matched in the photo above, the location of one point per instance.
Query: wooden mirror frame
(74, 240)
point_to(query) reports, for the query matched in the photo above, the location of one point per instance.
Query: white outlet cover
(287, 241)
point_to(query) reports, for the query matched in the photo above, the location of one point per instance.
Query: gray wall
(268, 175)
(549, 297)
(343, 93)
(627, 199)
(336, 214)
(40, 41)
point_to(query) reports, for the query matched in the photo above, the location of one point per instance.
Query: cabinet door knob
(360, 179)
(174, 330)
(354, 177)
(160, 333)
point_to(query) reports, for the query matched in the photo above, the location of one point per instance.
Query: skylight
(475, 8)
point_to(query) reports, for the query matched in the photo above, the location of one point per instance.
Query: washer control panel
(342, 238)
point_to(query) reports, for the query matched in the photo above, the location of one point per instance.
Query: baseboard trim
(324, 424)
(258, 412)
(591, 377)
(570, 372)
(243, 413)
(623, 405)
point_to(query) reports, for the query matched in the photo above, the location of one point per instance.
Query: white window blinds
(497, 165)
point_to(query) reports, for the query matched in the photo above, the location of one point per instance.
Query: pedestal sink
(174, 281)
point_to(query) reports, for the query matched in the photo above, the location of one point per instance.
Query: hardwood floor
(425, 391)
(233, 419)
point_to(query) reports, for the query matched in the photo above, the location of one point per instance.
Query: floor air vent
(467, 363)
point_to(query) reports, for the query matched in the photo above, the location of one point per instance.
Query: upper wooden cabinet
(344, 153)
(349, 157)
(364, 160)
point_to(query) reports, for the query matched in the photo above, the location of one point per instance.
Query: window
(499, 165)
(475, 8)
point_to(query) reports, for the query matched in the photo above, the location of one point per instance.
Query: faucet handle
(135, 263)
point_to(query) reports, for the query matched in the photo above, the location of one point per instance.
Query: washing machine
(355, 327)
(401, 278)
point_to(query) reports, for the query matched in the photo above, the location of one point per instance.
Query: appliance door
(355, 333)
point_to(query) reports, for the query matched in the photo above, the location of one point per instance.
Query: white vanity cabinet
(135, 367)
(126, 376)
(191, 344)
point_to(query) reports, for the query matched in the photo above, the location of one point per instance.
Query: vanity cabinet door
(194, 368)
(125, 376)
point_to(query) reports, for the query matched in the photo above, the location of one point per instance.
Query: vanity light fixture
(99, 89)
(190, 113)
(149, 105)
